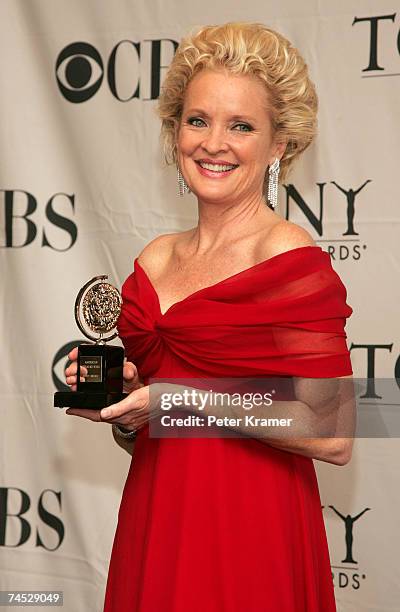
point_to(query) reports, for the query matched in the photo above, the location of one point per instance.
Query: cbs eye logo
(133, 69)
(79, 72)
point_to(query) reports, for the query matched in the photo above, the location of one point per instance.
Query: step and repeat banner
(83, 187)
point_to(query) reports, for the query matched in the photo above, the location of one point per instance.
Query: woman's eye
(242, 127)
(196, 121)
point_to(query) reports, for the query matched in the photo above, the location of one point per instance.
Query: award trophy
(97, 308)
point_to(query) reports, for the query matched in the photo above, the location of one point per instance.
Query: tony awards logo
(97, 308)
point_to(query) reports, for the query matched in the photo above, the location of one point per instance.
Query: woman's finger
(138, 398)
(130, 370)
(86, 413)
(73, 368)
(131, 412)
(131, 377)
(73, 355)
(71, 380)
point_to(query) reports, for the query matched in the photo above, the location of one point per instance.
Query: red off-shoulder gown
(228, 524)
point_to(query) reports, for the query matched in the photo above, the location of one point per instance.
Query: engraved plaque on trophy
(97, 308)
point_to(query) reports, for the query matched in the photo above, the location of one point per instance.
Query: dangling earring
(182, 186)
(273, 173)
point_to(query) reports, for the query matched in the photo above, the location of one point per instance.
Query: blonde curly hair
(250, 49)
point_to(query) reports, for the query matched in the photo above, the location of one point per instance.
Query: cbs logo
(133, 69)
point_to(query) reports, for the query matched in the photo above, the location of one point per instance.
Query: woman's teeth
(217, 167)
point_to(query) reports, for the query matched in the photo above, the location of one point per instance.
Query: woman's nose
(215, 140)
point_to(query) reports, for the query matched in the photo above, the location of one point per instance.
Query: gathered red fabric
(228, 524)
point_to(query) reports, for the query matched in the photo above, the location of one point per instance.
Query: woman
(229, 524)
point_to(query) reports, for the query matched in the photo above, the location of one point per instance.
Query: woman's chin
(213, 195)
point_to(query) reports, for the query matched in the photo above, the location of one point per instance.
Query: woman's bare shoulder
(284, 236)
(156, 253)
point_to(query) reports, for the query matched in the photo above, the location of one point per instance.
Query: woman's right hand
(130, 373)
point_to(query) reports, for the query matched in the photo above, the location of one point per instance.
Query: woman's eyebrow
(197, 111)
(243, 118)
(202, 112)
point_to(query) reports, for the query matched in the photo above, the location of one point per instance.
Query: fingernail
(105, 413)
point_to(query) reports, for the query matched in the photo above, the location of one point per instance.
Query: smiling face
(225, 137)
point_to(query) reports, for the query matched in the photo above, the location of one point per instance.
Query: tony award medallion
(97, 308)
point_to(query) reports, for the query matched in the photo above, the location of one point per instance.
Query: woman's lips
(214, 174)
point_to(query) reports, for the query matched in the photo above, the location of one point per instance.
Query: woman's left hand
(132, 413)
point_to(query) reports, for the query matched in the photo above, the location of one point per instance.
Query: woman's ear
(176, 130)
(176, 135)
(280, 148)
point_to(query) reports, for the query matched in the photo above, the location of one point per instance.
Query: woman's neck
(221, 224)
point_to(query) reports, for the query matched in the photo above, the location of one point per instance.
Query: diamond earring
(182, 185)
(273, 174)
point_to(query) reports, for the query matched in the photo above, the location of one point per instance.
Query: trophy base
(86, 399)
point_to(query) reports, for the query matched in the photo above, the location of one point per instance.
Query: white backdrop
(84, 188)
